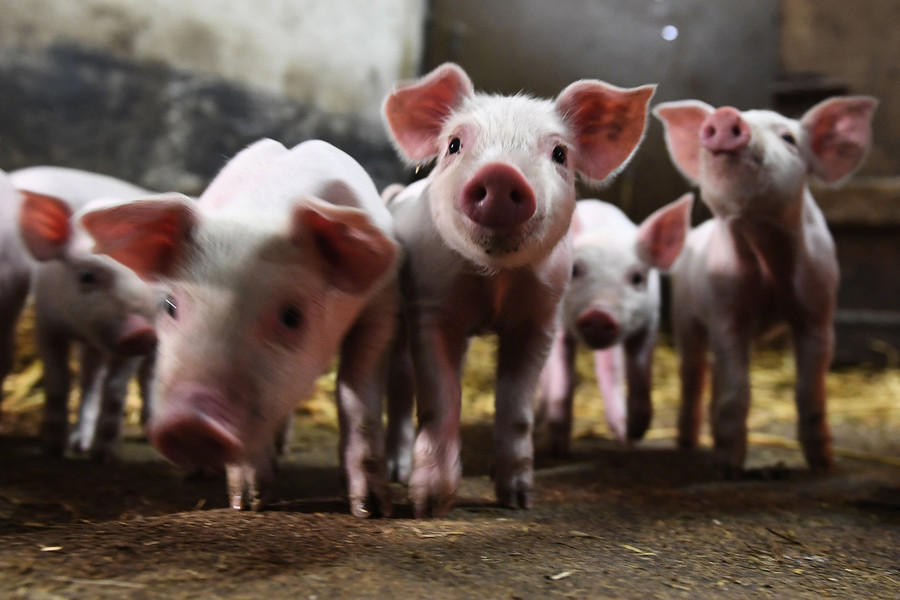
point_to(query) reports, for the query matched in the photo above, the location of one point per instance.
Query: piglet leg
(360, 385)
(437, 354)
(639, 375)
(54, 351)
(812, 350)
(108, 432)
(609, 366)
(731, 399)
(401, 431)
(92, 373)
(691, 340)
(557, 391)
(521, 353)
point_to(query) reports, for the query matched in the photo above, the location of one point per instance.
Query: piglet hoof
(730, 472)
(637, 427)
(514, 485)
(103, 455)
(433, 493)
(822, 465)
(373, 506)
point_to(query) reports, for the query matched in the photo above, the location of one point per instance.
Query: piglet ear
(149, 236)
(661, 236)
(355, 253)
(416, 112)
(682, 121)
(45, 225)
(839, 134)
(608, 123)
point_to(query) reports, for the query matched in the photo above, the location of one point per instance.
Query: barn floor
(649, 522)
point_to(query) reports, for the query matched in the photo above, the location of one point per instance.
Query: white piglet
(612, 306)
(84, 300)
(766, 259)
(286, 259)
(486, 250)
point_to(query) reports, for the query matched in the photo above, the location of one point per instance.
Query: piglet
(286, 258)
(612, 306)
(765, 259)
(85, 300)
(486, 250)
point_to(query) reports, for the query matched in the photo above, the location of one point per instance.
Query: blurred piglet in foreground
(765, 259)
(612, 306)
(87, 300)
(486, 250)
(287, 258)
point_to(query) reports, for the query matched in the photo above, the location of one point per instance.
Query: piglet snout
(137, 336)
(724, 131)
(498, 197)
(597, 328)
(194, 431)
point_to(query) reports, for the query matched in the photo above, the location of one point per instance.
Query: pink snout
(498, 197)
(136, 337)
(194, 431)
(597, 328)
(724, 131)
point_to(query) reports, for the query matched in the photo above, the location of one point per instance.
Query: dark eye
(790, 139)
(577, 270)
(637, 279)
(290, 317)
(559, 155)
(87, 277)
(169, 307)
(454, 146)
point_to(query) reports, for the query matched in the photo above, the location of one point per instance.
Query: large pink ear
(682, 121)
(416, 112)
(149, 236)
(839, 131)
(45, 225)
(356, 253)
(608, 123)
(661, 236)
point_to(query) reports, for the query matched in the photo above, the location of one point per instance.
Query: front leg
(521, 353)
(731, 348)
(361, 383)
(556, 391)
(609, 367)
(92, 373)
(639, 375)
(813, 349)
(437, 352)
(401, 432)
(108, 432)
(54, 352)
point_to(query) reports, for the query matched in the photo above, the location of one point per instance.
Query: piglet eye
(559, 155)
(454, 146)
(170, 307)
(577, 270)
(290, 317)
(637, 279)
(790, 139)
(87, 277)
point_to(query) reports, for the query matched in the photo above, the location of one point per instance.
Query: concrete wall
(161, 92)
(338, 55)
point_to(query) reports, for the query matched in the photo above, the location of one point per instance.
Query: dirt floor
(649, 522)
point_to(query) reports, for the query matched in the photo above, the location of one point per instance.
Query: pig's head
(503, 189)
(758, 160)
(614, 293)
(254, 312)
(101, 301)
